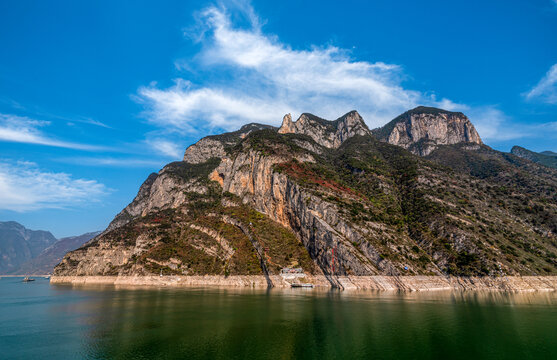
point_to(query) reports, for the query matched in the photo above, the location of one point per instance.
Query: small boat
(306, 285)
(27, 279)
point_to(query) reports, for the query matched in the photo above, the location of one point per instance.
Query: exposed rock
(330, 134)
(390, 283)
(203, 150)
(216, 146)
(422, 130)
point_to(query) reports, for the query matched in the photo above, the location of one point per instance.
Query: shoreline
(30, 275)
(377, 282)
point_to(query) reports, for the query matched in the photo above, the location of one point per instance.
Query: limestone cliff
(330, 134)
(422, 130)
(328, 197)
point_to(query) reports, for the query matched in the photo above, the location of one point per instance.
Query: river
(43, 321)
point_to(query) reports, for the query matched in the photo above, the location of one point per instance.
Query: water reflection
(248, 323)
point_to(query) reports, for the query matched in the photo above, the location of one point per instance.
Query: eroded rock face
(160, 191)
(215, 146)
(317, 222)
(330, 134)
(203, 150)
(422, 129)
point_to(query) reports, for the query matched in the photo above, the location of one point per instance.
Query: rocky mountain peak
(422, 129)
(216, 145)
(330, 134)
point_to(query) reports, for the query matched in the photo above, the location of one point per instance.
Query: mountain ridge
(25, 251)
(269, 199)
(547, 158)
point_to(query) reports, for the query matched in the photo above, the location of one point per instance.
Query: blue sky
(94, 96)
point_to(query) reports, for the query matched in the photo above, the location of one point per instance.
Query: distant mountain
(547, 158)
(334, 198)
(19, 245)
(44, 262)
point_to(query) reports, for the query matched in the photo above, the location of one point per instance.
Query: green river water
(43, 321)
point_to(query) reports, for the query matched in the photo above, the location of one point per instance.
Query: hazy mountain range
(24, 251)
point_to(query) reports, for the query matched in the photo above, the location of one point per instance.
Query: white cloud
(253, 77)
(25, 130)
(110, 161)
(166, 148)
(491, 122)
(24, 187)
(493, 125)
(263, 79)
(546, 89)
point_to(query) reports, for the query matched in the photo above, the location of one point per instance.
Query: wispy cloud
(264, 78)
(84, 121)
(25, 130)
(494, 125)
(166, 148)
(111, 162)
(25, 187)
(261, 78)
(546, 89)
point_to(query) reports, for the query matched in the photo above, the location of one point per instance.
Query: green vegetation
(546, 158)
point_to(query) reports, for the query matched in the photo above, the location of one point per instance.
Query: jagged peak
(329, 133)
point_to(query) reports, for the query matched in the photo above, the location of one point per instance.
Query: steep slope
(546, 158)
(329, 197)
(44, 262)
(423, 129)
(18, 244)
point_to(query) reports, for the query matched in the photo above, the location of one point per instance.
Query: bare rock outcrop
(330, 134)
(215, 146)
(423, 129)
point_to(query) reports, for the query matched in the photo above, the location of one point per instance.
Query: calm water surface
(42, 321)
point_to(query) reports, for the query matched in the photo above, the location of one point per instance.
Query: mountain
(335, 198)
(18, 244)
(423, 129)
(330, 134)
(547, 158)
(44, 262)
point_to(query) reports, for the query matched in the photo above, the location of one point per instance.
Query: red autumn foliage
(301, 171)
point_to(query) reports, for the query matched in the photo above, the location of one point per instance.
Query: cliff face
(216, 146)
(330, 198)
(422, 130)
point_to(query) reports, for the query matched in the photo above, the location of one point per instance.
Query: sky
(94, 96)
